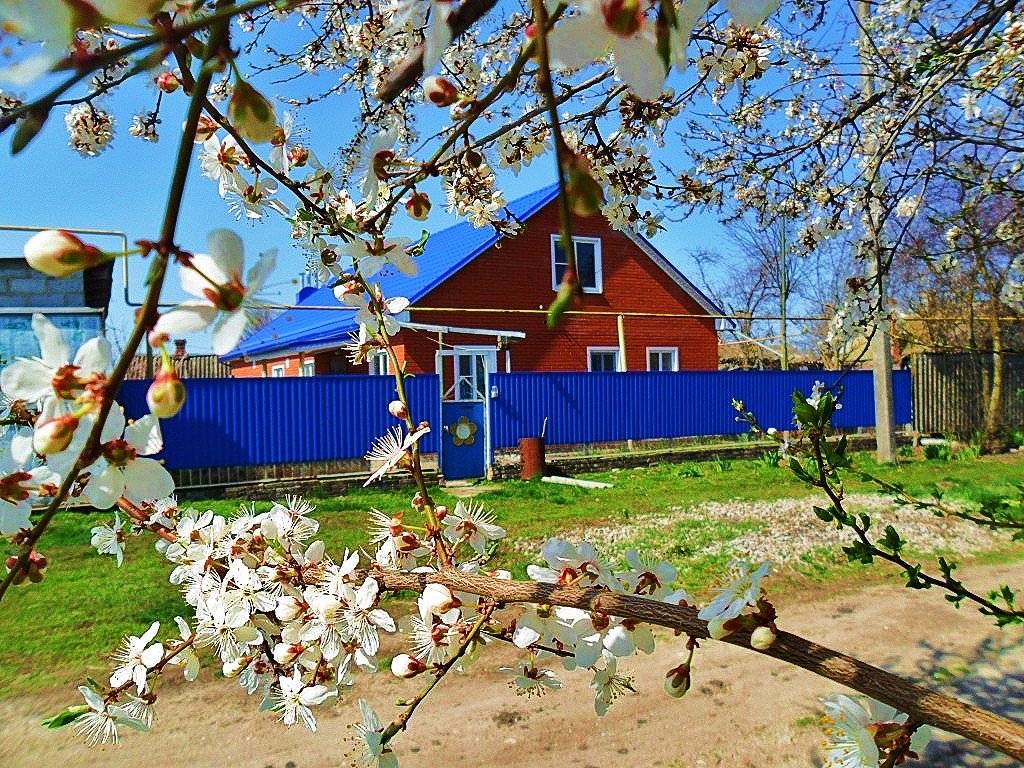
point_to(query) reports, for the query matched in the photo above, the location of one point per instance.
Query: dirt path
(744, 711)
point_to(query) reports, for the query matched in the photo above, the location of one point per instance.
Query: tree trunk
(994, 438)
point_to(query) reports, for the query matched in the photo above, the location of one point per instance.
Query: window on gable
(602, 359)
(378, 362)
(588, 262)
(662, 359)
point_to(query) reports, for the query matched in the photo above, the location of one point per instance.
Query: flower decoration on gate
(463, 431)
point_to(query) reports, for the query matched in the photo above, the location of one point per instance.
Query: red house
(480, 300)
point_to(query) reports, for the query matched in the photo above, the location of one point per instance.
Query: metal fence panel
(607, 407)
(951, 392)
(235, 422)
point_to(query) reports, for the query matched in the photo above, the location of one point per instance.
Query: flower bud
(167, 82)
(166, 395)
(54, 435)
(252, 114)
(439, 91)
(417, 205)
(158, 338)
(234, 668)
(623, 17)
(761, 639)
(298, 156)
(677, 681)
(58, 253)
(436, 600)
(397, 409)
(404, 665)
(34, 570)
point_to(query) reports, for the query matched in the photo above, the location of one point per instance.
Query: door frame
(490, 354)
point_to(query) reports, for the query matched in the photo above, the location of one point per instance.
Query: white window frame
(374, 369)
(661, 350)
(598, 271)
(590, 359)
(277, 371)
(308, 368)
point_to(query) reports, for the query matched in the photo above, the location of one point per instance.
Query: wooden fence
(952, 390)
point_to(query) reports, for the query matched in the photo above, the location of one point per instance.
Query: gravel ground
(790, 529)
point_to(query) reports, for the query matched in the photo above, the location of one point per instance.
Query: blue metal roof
(444, 253)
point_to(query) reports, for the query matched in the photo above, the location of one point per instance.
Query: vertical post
(881, 353)
(621, 324)
(784, 298)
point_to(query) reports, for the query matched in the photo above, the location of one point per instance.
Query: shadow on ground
(992, 678)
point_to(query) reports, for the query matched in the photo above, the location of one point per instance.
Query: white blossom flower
(216, 280)
(109, 538)
(369, 258)
(375, 753)
(743, 590)
(570, 565)
(136, 657)
(293, 699)
(850, 728)
(472, 523)
(99, 725)
(122, 470)
(187, 658)
(530, 680)
(390, 449)
(609, 685)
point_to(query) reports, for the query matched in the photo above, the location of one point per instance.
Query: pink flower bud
(623, 17)
(58, 253)
(167, 82)
(439, 91)
(761, 639)
(54, 435)
(417, 205)
(157, 339)
(166, 395)
(397, 409)
(677, 681)
(406, 666)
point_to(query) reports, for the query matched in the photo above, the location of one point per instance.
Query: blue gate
(465, 440)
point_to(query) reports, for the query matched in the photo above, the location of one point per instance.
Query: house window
(277, 371)
(378, 362)
(588, 262)
(603, 358)
(662, 359)
(308, 368)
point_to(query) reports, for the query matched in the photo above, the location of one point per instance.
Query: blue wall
(604, 407)
(229, 422)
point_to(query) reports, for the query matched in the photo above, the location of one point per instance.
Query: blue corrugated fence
(607, 407)
(240, 422)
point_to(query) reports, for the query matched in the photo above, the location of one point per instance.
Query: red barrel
(531, 455)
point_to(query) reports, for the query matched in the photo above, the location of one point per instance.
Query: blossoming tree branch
(587, 83)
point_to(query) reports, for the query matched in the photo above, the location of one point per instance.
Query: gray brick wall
(22, 286)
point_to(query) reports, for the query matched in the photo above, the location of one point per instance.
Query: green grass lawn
(58, 631)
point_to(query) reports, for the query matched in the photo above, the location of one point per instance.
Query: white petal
(639, 66)
(94, 356)
(52, 347)
(525, 636)
(113, 427)
(144, 435)
(26, 379)
(438, 37)
(194, 280)
(146, 479)
(187, 317)
(752, 12)
(228, 332)
(260, 271)
(226, 249)
(578, 41)
(21, 448)
(152, 655)
(106, 488)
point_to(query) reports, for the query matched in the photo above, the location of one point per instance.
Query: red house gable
(517, 275)
(666, 323)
